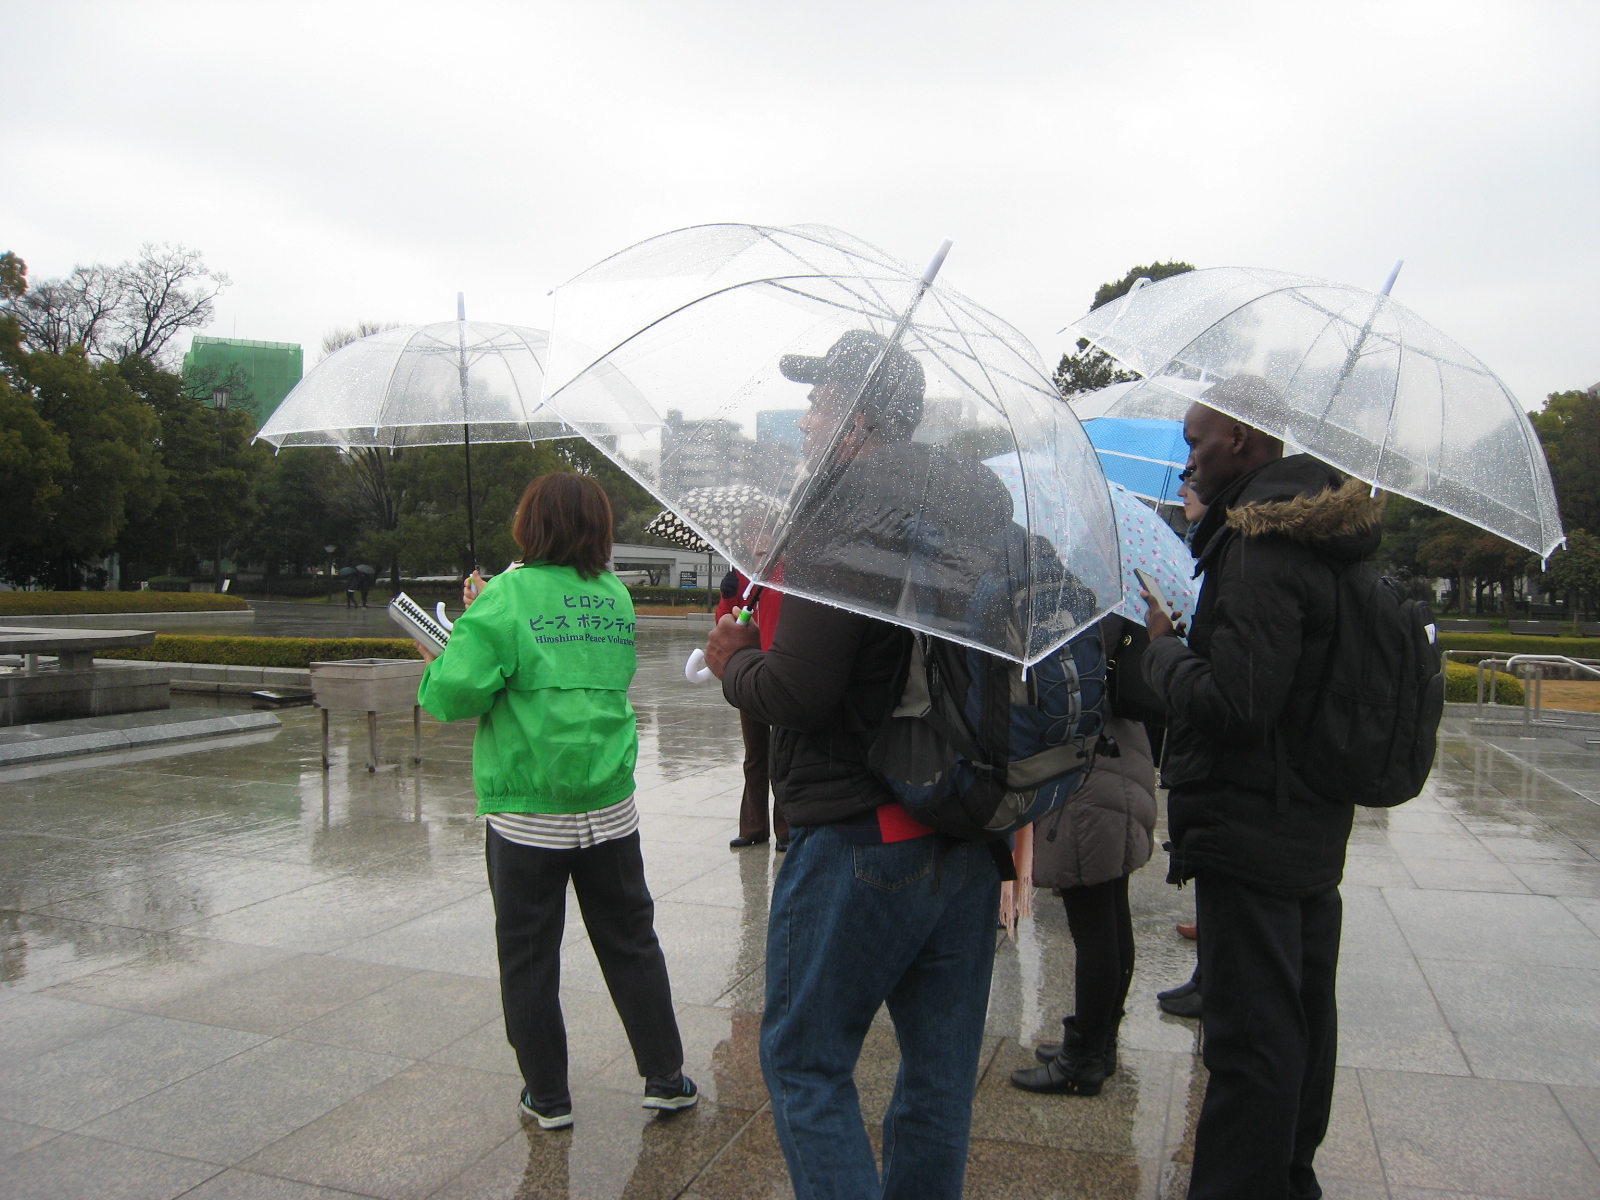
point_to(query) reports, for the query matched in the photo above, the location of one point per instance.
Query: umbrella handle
(438, 611)
(695, 670)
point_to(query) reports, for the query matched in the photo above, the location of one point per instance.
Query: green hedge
(264, 651)
(1516, 643)
(47, 604)
(1461, 686)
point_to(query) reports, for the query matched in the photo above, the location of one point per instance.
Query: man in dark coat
(870, 908)
(1265, 850)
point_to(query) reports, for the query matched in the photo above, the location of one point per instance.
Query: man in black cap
(871, 908)
(888, 410)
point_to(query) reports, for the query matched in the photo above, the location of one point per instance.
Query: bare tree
(134, 308)
(75, 311)
(337, 339)
(169, 289)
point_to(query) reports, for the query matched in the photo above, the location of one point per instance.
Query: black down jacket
(1239, 694)
(1104, 831)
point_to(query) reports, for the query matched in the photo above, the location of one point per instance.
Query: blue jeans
(852, 927)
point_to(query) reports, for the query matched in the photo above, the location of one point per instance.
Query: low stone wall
(224, 622)
(208, 677)
(55, 695)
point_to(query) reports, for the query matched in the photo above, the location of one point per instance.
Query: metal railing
(1532, 670)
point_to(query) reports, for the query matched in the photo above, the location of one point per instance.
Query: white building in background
(663, 566)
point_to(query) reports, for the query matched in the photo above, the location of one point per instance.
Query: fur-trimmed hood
(1305, 500)
(1339, 512)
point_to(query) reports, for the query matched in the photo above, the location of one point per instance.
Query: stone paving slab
(230, 975)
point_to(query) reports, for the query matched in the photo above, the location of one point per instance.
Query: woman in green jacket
(543, 657)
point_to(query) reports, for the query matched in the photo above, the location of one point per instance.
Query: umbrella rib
(776, 286)
(1160, 462)
(668, 315)
(821, 272)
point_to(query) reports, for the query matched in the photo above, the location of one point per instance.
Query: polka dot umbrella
(1149, 545)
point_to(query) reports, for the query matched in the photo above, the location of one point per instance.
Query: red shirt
(891, 822)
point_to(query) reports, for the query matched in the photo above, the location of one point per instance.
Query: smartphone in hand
(1153, 589)
(1159, 600)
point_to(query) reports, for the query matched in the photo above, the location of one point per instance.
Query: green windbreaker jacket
(544, 659)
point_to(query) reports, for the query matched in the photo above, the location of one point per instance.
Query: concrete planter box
(366, 684)
(372, 686)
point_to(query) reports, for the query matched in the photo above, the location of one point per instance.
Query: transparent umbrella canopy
(1351, 377)
(858, 399)
(449, 383)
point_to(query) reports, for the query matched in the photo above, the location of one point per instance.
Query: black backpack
(1374, 725)
(977, 747)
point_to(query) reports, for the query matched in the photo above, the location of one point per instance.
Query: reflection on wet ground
(226, 974)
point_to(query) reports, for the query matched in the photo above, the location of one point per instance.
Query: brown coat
(1106, 829)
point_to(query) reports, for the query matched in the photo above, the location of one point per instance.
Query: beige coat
(1106, 829)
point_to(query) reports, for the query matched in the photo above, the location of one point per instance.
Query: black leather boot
(1048, 1051)
(1070, 1074)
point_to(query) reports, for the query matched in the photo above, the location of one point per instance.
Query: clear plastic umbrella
(1351, 377)
(449, 383)
(691, 359)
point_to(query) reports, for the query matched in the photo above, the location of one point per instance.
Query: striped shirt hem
(567, 831)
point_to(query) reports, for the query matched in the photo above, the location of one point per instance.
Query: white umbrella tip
(937, 261)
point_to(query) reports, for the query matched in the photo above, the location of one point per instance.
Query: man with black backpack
(871, 908)
(1304, 688)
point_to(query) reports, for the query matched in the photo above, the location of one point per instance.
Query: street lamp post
(330, 550)
(219, 403)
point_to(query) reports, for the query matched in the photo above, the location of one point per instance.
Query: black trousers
(758, 783)
(530, 902)
(1102, 937)
(1271, 1034)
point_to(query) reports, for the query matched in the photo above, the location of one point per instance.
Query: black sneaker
(555, 1116)
(670, 1092)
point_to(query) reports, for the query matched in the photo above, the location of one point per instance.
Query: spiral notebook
(416, 621)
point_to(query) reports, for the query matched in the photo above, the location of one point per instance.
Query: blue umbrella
(1137, 431)
(1145, 456)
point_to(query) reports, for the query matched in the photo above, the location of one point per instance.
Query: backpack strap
(1000, 851)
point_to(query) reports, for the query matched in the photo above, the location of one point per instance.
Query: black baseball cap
(895, 398)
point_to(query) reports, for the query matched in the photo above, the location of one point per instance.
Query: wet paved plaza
(226, 974)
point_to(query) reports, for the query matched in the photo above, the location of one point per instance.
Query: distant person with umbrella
(352, 579)
(364, 576)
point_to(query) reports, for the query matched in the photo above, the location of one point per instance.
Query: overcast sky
(346, 161)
